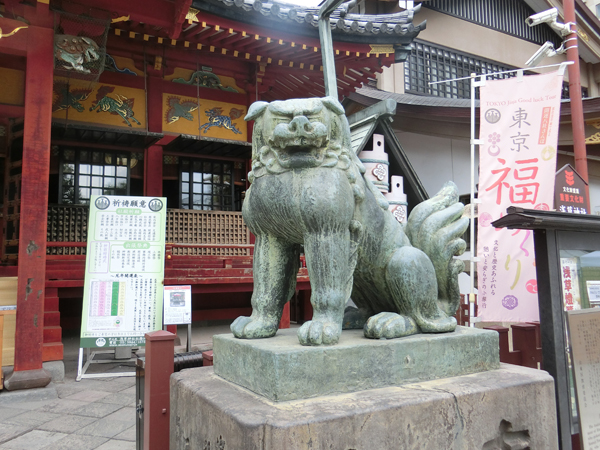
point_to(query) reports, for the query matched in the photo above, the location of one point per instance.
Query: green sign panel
(124, 271)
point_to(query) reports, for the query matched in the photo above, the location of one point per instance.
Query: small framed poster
(177, 305)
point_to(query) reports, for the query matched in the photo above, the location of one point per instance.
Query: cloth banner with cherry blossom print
(517, 162)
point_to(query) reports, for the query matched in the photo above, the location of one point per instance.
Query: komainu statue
(309, 194)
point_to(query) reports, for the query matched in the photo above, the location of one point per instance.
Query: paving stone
(92, 385)
(7, 412)
(10, 431)
(117, 385)
(120, 384)
(32, 418)
(63, 406)
(128, 435)
(33, 440)
(66, 389)
(88, 395)
(104, 427)
(77, 442)
(97, 410)
(67, 424)
(129, 391)
(30, 406)
(9, 398)
(125, 415)
(118, 398)
(115, 444)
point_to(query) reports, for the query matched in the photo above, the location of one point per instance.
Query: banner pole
(472, 215)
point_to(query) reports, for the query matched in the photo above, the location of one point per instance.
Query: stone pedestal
(281, 369)
(442, 391)
(512, 407)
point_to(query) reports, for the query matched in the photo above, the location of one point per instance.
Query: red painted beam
(11, 111)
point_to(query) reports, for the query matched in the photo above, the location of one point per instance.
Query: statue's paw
(387, 325)
(248, 328)
(315, 332)
(442, 324)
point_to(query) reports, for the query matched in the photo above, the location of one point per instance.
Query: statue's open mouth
(300, 143)
(300, 156)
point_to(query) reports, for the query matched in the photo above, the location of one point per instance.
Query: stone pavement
(96, 413)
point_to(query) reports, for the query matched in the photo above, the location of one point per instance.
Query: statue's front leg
(328, 262)
(275, 267)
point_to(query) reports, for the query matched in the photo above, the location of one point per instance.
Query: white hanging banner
(517, 158)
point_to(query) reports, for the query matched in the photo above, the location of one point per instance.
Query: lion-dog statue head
(298, 134)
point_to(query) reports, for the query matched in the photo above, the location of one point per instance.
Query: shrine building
(148, 99)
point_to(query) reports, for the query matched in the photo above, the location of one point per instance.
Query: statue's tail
(435, 227)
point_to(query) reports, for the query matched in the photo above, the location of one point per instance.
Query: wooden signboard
(584, 332)
(569, 191)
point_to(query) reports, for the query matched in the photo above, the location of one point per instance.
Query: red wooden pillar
(28, 372)
(153, 173)
(160, 347)
(154, 154)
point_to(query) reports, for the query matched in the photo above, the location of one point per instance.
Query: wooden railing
(214, 233)
(193, 232)
(67, 224)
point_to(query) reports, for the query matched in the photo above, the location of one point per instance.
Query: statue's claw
(387, 325)
(442, 324)
(315, 332)
(248, 328)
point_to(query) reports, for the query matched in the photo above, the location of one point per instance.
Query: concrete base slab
(281, 369)
(512, 407)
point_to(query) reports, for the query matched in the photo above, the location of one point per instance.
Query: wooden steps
(52, 348)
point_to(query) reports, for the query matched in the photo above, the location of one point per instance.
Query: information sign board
(584, 333)
(123, 290)
(177, 305)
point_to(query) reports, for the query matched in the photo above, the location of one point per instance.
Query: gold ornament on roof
(120, 19)
(191, 15)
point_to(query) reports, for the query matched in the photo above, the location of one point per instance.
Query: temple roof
(271, 48)
(282, 40)
(396, 28)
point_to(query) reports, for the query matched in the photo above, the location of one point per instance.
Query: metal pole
(575, 95)
(327, 47)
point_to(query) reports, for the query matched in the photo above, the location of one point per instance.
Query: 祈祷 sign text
(123, 290)
(517, 158)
